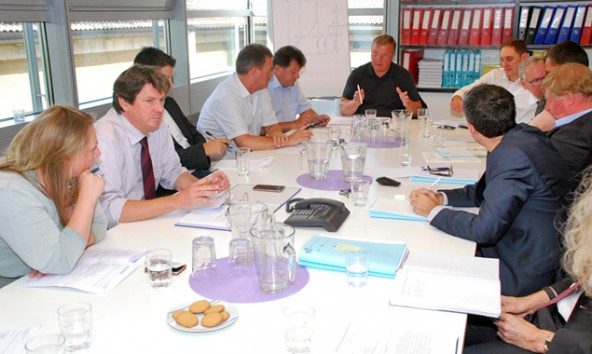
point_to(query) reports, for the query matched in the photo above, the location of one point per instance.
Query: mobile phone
(176, 268)
(385, 181)
(268, 188)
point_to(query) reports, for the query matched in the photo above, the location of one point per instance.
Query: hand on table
(424, 200)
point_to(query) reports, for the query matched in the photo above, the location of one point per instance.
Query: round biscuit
(187, 319)
(211, 319)
(215, 308)
(225, 315)
(199, 306)
(178, 312)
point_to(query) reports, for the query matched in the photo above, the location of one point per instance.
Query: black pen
(313, 125)
(210, 135)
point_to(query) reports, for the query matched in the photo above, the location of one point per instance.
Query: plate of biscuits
(202, 316)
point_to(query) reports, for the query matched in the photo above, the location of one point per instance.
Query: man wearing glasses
(518, 195)
(513, 52)
(380, 84)
(559, 54)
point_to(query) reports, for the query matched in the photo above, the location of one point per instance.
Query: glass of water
(75, 320)
(357, 263)
(158, 264)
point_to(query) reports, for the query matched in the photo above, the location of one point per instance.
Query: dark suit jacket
(573, 337)
(518, 197)
(194, 157)
(574, 143)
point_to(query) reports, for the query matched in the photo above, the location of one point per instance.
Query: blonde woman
(49, 208)
(565, 327)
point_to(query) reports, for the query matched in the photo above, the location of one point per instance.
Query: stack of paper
(430, 73)
(462, 151)
(399, 209)
(458, 284)
(459, 176)
(329, 253)
(437, 158)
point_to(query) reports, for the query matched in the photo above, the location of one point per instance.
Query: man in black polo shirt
(383, 85)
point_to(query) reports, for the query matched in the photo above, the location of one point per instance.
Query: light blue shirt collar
(568, 119)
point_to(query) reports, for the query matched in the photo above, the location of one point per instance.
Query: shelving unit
(412, 36)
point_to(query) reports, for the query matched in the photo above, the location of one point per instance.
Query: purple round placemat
(241, 289)
(333, 182)
(382, 142)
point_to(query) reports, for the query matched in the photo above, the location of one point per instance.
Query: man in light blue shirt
(292, 109)
(240, 108)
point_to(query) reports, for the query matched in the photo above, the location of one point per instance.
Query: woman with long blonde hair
(534, 323)
(49, 208)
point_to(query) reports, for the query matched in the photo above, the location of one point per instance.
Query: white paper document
(430, 157)
(98, 271)
(370, 336)
(399, 209)
(215, 218)
(14, 338)
(254, 164)
(458, 284)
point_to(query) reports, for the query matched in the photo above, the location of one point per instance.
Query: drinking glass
(299, 328)
(242, 161)
(203, 256)
(75, 321)
(356, 267)
(158, 264)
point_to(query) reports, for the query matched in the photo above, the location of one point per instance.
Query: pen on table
(360, 94)
(434, 184)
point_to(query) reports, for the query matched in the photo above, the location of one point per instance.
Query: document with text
(98, 271)
(458, 284)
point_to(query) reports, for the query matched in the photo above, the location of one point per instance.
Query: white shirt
(232, 111)
(119, 142)
(287, 102)
(525, 102)
(174, 129)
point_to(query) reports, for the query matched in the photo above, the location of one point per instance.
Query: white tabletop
(132, 317)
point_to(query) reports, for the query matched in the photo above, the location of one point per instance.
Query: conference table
(132, 317)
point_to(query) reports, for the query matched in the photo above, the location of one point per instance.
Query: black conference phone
(326, 213)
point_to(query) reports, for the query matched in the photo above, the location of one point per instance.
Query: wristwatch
(548, 340)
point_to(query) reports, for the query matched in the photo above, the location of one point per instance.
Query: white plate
(199, 328)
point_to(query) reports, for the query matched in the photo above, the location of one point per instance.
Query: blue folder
(544, 25)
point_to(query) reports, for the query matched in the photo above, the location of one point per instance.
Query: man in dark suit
(194, 149)
(518, 195)
(568, 90)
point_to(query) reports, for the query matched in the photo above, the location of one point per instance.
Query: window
(23, 82)
(217, 31)
(104, 49)
(366, 21)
